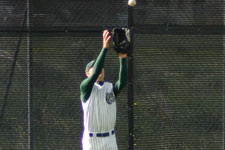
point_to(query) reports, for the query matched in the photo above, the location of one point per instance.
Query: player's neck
(100, 80)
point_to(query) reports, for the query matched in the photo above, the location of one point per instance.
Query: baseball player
(99, 101)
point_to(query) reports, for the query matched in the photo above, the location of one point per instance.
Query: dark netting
(181, 98)
(178, 71)
(178, 92)
(79, 13)
(179, 12)
(12, 13)
(13, 91)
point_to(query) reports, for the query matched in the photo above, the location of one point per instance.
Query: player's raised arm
(123, 74)
(94, 68)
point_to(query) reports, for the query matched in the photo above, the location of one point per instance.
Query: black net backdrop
(179, 12)
(178, 72)
(78, 13)
(178, 92)
(12, 13)
(13, 120)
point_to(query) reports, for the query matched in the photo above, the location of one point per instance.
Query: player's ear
(87, 73)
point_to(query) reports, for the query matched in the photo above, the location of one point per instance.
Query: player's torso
(100, 109)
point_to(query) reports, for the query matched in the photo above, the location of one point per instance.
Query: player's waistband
(105, 134)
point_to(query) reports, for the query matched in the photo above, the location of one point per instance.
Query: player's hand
(106, 38)
(122, 55)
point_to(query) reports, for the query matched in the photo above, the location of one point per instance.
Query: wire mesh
(13, 123)
(12, 13)
(179, 12)
(79, 13)
(181, 98)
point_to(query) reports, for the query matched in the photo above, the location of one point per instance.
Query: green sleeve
(123, 77)
(87, 84)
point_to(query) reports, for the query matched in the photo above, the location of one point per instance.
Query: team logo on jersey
(110, 98)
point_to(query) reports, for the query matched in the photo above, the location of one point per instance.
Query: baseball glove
(121, 40)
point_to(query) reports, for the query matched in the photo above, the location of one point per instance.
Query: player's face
(100, 76)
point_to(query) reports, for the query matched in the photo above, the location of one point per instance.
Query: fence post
(130, 82)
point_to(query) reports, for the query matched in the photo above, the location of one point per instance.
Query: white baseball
(132, 3)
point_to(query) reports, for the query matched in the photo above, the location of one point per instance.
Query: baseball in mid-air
(132, 3)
